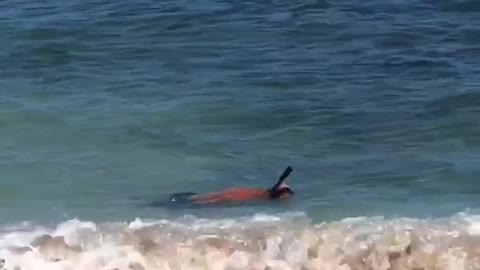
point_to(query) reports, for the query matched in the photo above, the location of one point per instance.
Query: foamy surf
(260, 242)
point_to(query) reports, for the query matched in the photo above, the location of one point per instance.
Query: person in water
(278, 191)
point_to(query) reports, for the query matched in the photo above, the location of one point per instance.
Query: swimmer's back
(231, 195)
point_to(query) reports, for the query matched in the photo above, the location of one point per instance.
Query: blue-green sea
(107, 106)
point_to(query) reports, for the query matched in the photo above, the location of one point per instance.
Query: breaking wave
(258, 242)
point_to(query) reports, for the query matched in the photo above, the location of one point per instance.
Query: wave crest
(260, 242)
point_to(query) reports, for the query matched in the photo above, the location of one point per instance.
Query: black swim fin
(183, 197)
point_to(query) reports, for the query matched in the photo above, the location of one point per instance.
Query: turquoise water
(106, 105)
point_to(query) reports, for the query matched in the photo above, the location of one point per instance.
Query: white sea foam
(260, 242)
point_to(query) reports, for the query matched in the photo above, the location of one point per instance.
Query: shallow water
(107, 106)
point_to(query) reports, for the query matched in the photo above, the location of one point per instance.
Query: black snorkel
(274, 192)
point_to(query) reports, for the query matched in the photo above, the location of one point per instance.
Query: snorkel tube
(273, 191)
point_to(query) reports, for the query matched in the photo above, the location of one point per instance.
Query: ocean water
(107, 106)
